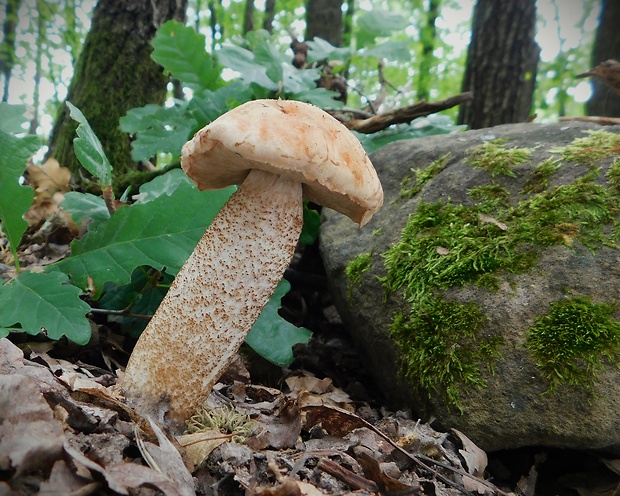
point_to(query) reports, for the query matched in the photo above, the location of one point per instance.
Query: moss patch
(413, 183)
(539, 177)
(446, 346)
(356, 268)
(588, 150)
(570, 342)
(494, 157)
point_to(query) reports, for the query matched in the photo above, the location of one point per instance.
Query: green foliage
(88, 149)
(15, 199)
(273, 337)
(418, 128)
(263, 72)
(44, 303)
(181, 51)
(85, 208)
(571, 342)
(119, 259)
(157, 129)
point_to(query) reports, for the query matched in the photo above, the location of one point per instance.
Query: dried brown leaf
(199, 445)
(30, 437)
(476, 462)
(492, 220)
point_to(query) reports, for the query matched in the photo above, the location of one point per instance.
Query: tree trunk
(501, 63)
(248, 17)
(603, 101)
(7, 47)
(428, 36)
(114, 73)
(324, 20)
(347, 27)
(270, 14)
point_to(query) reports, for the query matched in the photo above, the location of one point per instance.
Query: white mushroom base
(216, 297)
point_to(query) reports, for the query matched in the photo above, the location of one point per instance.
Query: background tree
(7, 47)
(324, 20)
(501, 63)
(270, 14)
(114, 73)
(603, 101)
(248, 17)
(428, 37)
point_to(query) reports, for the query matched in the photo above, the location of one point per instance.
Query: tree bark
(324, 20)
(428, 37)
(7, 47)
(347, 24)
(501, 63)
(113, 74)
(270, 14)
(248, 17)
(604, 102)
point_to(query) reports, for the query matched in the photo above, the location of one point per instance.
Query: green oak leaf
(271, 336)
(181, 50)
(44, 303)
(15, 199)
(161, 233)
(88, 149)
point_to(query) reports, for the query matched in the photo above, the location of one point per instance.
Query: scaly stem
(215, 298)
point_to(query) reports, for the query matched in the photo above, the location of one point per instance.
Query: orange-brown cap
(292, 139)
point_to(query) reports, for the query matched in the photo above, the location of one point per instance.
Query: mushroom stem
(215, 298)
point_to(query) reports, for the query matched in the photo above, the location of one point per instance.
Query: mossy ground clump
(448, 245)
(570, 343)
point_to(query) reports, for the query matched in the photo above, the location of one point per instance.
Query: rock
(496, 312)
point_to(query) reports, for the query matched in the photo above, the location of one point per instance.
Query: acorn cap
(291, 139)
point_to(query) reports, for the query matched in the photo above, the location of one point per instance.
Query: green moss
(413, 183)
(490, 196)
(539, 177)
(570, 343)
(588, 150)
(356, 268)
(378, 232)
(494, 157)
(446, 348)
(613, 177)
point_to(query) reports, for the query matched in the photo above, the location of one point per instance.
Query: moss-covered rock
(490, 281)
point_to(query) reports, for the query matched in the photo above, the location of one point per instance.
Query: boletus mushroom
(279, 152)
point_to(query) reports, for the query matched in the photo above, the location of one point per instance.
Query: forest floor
(320, 426)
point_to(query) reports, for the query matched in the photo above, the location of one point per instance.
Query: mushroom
(280, 152)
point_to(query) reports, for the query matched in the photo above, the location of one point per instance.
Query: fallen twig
(405, 114)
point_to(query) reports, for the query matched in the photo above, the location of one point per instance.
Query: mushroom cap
(292, 139)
